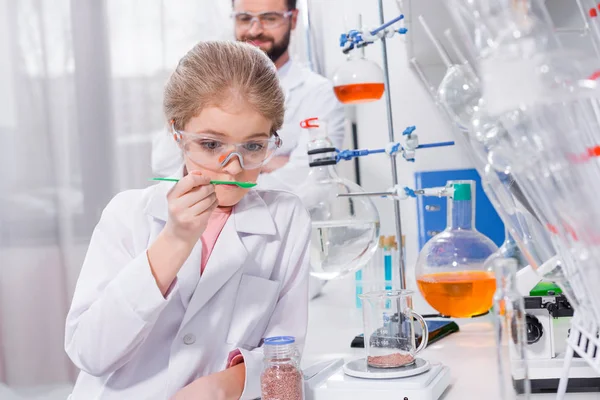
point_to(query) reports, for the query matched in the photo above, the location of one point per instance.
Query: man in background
(268, 24)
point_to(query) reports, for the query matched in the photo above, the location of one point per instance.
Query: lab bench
(470, 353)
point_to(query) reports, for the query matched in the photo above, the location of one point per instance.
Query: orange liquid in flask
(359, 93)
(459, 294)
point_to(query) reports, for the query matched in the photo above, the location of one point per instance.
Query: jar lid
(279, 340)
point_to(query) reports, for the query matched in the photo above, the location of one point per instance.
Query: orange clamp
(594, 76)
(308, 123)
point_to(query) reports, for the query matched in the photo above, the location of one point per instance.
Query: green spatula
(244, 185)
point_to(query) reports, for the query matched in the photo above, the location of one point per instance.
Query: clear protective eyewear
(268, 20)
(213, 153)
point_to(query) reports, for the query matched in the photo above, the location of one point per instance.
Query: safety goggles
(213, 153)
(268, 20)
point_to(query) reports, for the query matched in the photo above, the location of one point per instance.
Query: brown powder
(393, 360)
(281, 382)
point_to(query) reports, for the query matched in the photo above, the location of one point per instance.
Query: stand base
(545, 375)
(333, 384)
(360, 369)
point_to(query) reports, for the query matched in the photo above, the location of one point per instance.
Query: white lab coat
(307, 95)
(132, 343)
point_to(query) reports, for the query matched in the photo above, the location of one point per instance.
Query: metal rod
(366, 194)
(308, 34)
(388, 103)
(392, 22)
(432, 145)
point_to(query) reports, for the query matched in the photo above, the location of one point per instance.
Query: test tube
(358, 275)
(388, 262)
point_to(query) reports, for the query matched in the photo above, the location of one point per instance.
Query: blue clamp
(409, 192)
(409, 130)
(355, 36)
(343, 39)
(350, 154)
(396, 148)
(402, 31)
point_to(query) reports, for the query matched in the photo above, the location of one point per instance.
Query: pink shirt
(215, 225)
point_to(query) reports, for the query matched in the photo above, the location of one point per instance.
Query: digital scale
(331, 380)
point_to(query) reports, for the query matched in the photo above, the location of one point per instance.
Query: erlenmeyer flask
(450, 268)
(358, 80)
(345, 230)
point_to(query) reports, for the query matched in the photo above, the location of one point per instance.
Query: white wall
(411, 106)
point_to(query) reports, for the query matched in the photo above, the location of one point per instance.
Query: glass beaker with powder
(389, 330)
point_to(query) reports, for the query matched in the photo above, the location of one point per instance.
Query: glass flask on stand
(450, 271)
(345, 230)
(358, 80)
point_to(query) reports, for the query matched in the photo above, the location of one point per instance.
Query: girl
(182, 281)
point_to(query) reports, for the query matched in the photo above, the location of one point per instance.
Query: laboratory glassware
(450, 269)
(509, 249)
(510, 329)
(358, 80)
(493, 150)
(281, 377)
(345, 230)
(388, 319)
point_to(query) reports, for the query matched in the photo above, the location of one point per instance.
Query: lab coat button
(189, 339)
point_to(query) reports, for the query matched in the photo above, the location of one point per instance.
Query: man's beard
(278, 48)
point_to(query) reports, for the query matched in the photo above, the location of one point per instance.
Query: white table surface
(334, 321)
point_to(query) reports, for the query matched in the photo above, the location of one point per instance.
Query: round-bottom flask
(451, 272)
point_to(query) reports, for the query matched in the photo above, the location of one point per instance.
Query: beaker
(389, 330)
(358, 80)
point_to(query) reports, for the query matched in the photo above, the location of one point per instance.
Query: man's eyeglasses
(268, 20)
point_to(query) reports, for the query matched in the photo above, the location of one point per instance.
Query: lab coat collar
(293, 78)
(251, 215)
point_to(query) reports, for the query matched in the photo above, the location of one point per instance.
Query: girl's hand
(224, 385)
(191, 202)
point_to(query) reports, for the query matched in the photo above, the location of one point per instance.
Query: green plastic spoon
(244, 185)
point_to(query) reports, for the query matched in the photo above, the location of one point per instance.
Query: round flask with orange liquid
(358, 80)
(451, 271)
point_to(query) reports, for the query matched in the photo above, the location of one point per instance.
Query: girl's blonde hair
(215, 73)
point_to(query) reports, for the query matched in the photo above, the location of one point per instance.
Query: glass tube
(510, 329)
